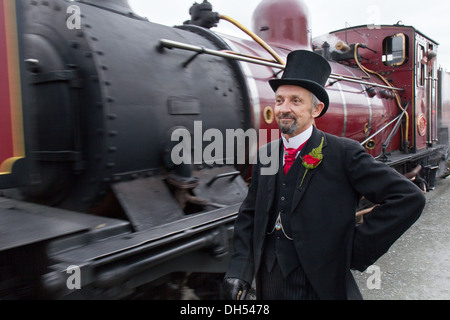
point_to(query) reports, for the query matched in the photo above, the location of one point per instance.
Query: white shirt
(298, 140)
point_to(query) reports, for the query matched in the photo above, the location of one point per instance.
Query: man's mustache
(287, 116)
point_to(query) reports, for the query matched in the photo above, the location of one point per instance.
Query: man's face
(294, 110)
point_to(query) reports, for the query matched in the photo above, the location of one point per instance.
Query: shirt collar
(298, 140)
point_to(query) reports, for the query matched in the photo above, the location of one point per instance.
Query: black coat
(327, 240)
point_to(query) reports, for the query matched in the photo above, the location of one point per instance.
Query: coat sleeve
(399, 205)
(242, 265)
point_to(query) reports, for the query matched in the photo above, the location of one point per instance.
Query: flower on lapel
(309, 162)
(312, 160)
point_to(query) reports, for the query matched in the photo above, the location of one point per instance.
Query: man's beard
(288, 129)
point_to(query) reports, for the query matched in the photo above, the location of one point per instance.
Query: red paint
(403, 76)
(349, 112)
(283, 23)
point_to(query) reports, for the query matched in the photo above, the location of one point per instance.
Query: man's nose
(285, 107)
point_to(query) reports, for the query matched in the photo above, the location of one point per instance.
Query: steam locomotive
(94, 96)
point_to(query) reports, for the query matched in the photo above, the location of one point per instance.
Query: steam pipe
(164, 43)
(260, 41)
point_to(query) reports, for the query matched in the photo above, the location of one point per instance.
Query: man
(296, 232)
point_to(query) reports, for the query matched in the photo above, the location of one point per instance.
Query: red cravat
(289, 157)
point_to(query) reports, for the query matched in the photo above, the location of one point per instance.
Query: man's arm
(399, 205)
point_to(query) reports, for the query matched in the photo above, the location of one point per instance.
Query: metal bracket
(233, 174)
(56, 76)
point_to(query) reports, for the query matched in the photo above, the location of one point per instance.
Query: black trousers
(273, 286)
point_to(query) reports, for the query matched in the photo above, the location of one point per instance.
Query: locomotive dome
(283, 23)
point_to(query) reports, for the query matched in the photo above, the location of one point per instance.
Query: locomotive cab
(403, 58)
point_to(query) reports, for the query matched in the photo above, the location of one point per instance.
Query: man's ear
(317, 110)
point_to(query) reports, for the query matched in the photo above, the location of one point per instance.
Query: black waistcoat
(278, 246)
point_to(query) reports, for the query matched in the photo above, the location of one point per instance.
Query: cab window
(395, 50)
(421, 63)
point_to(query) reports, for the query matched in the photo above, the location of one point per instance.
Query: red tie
(289, 157)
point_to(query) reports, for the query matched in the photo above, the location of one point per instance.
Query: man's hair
(315, 100)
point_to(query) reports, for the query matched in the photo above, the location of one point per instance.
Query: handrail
(381, 130)
(165, 43)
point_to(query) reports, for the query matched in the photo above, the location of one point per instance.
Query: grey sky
(430, 17)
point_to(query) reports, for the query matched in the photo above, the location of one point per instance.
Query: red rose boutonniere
(312, 160)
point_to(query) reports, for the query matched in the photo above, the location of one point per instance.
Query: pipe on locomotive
(202, 15)
(333, 76)
(165, 43)
(397, 96)
(254, 37)
(169, 44)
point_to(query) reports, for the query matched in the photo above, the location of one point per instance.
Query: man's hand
(235, 289)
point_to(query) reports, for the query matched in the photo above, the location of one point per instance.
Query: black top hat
(308, 70)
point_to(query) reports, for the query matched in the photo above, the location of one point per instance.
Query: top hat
(308, 70)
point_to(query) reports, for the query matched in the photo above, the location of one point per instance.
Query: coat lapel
(314, 142)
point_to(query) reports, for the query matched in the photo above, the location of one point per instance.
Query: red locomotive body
(384, 85)
(409, 60)
(354, 112)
